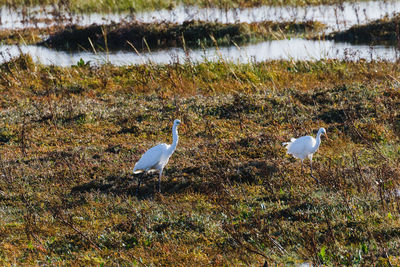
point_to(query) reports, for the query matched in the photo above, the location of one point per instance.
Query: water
(40, 17)
(294, 49)
(335, 16)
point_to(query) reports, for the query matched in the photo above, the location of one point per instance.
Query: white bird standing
(157, 157)
(305, 146)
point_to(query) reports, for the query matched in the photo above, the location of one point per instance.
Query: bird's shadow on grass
(127, 185)
(197, 179)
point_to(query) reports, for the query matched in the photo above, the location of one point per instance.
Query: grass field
(231, 196)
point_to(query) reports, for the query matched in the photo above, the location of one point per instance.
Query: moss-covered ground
(230, 195)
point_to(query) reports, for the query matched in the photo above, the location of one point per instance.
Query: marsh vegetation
(69, 138)
(144, 36)
(381, 31)
(140, 5)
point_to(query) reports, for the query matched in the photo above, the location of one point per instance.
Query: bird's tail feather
(288, 143)
(135, 171)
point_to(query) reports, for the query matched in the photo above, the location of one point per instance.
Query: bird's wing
(150, 158)
(301, 146)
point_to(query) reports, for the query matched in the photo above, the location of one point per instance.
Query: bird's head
(322, 131)
(177, 122)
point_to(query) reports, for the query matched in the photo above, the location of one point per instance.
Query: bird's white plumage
(157, 157)
(301, 147)
(304, 146)
(153, 159)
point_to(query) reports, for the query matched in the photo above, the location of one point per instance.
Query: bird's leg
(159, 181)
(311, 172)
(139, 181)
(301, 166)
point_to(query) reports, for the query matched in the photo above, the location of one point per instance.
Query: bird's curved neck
(318, 141)
(175, 138)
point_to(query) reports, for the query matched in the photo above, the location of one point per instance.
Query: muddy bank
(381, 31)
(122, 36)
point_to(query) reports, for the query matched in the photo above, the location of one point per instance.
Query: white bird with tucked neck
(305, 146)
(157, 157)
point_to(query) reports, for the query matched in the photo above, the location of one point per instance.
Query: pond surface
(335, 16)
(296, 49)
